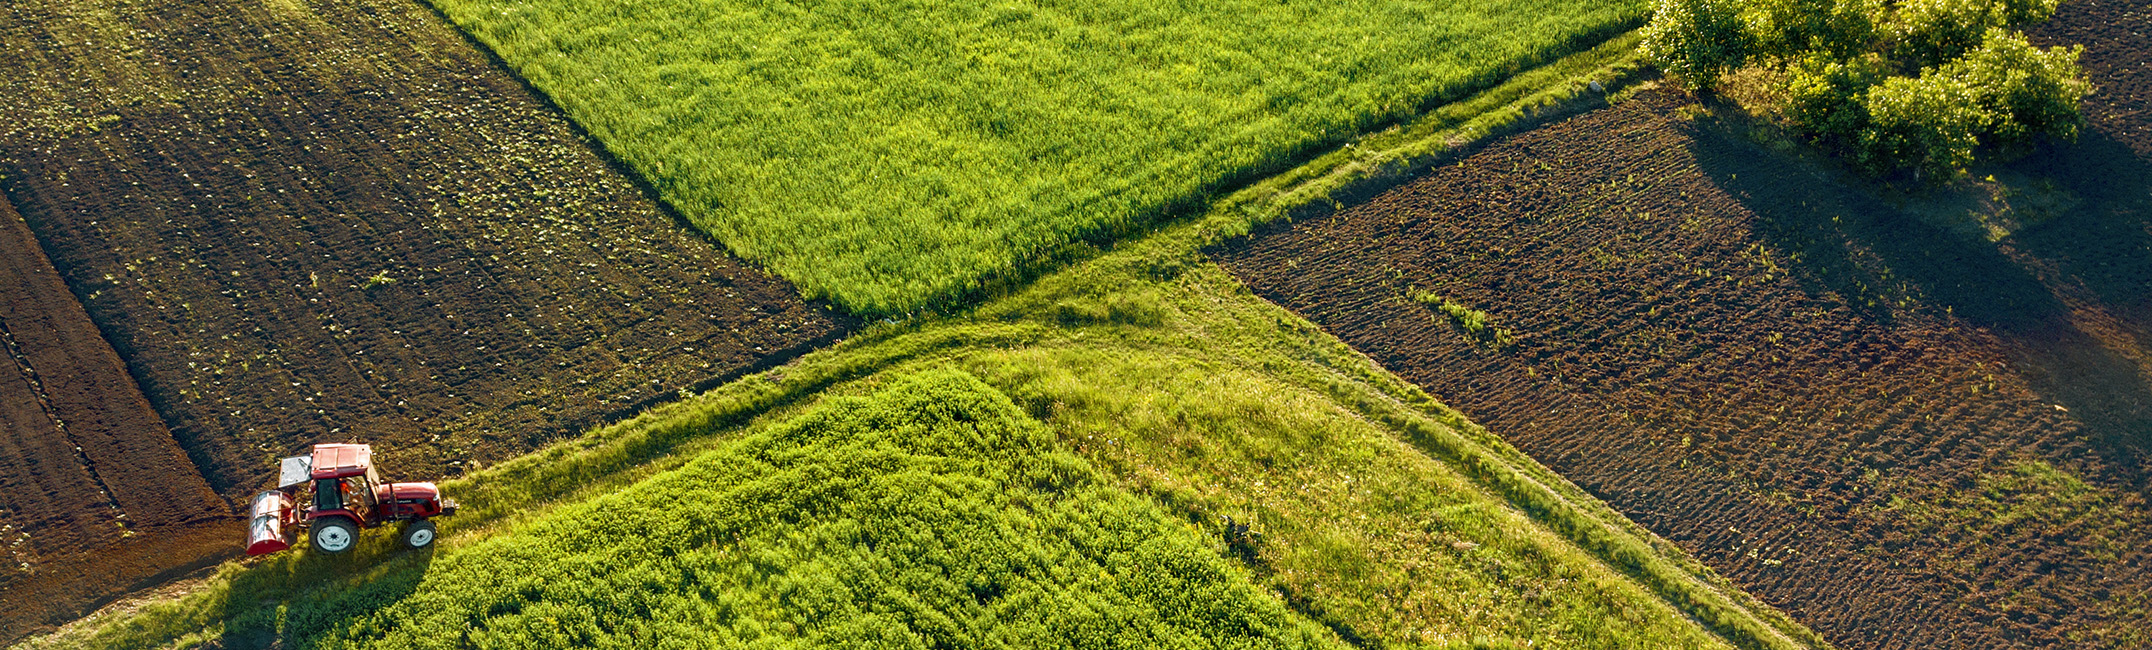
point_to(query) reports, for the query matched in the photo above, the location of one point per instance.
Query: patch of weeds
(1140, 309)
(1473, 322)
(378, 280)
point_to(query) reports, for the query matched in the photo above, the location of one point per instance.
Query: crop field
(1220, 449)
(306, 221)
(91, 482)
(945, 148)
(1910, 422)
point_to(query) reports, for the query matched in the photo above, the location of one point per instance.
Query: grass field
(893, 156)
(931, 514)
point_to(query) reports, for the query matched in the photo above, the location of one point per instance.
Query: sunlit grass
(899, 155)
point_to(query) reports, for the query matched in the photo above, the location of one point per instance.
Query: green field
(893, 156)
(932, 514)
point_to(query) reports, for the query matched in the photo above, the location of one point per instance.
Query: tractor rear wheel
(418, 533)
(335, 534)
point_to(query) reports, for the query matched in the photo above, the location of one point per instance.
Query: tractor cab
(348, 496)
(344, 482)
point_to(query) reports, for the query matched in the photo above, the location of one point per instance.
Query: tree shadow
(2105, 241)
(1873, 246)
(2102, 248)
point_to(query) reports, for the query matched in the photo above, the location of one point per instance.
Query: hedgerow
(934, 514)
(1917, 85)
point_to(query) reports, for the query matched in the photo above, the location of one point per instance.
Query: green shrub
(1824, 96)
(1697, 41)
(1792, 28)
(2005, 92)
(1979, 82)
(1931, 32)
(1927, 123)
(2025, 92)
(2018, 13)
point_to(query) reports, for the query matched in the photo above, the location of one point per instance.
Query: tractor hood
(414, 491)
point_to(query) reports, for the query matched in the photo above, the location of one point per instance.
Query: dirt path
(302, 221)
(1901, 432)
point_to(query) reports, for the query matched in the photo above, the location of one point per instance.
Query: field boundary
(1683, 582)
(605, 153)
(1379, 161)
(100, 485)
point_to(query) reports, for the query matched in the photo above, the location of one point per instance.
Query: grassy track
(894, 155)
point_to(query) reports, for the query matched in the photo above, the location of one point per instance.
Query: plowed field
(311, 221)
(88, 473)
(1908, 429)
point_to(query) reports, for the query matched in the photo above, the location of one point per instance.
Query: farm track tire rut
(1903, 435)
(301, 221)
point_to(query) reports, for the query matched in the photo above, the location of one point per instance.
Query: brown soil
(303, 221)
(2117, 35)
(1842, 396)
(88, 473)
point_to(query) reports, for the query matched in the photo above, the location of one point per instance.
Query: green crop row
(892, 156)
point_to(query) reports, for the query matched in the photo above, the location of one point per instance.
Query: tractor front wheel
(335, 534)
(418, 534)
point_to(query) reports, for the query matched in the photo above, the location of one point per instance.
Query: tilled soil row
(86, 467)
(303, 221)
(1904, 436)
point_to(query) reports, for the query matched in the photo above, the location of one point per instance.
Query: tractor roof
(340, 460)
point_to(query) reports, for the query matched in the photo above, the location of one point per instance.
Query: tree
(1826, 96)
(1698, 41)
(1928, 123)
(1931, 32)
(1793, 28)
(2026, 92)
(1896, 84)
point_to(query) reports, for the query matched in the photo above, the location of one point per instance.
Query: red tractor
(347, 496)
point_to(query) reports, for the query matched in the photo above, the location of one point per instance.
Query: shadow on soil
(1887, 255)
(2103, 246)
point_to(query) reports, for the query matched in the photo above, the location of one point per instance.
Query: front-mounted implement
(342, 496)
